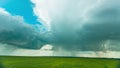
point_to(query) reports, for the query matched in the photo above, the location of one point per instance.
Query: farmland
(57, 62)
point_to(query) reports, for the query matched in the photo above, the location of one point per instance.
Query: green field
(57, 62)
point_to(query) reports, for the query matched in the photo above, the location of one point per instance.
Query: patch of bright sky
(20, 7)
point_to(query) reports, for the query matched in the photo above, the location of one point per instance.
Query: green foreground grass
(57, 62)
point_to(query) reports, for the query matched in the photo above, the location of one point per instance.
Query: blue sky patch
(20, 7)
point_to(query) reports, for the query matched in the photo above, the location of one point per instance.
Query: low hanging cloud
(81, 24)
(15, 32)
(88, 25)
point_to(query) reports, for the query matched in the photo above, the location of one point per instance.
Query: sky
(62, 26)
(22, 8)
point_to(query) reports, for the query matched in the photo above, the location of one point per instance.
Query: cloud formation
(71, 25)
(88, 25)
(81, 24)
(14, 31)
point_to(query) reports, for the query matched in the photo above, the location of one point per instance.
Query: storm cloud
(14, 31)
(87, 25)
(81, 24)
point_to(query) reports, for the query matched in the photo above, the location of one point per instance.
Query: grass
(57, 62)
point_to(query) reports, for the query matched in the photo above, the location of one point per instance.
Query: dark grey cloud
(82, 25)
(77, 25)
(14, 31)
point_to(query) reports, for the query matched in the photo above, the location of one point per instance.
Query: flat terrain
(57, 62)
